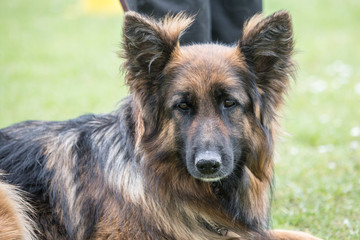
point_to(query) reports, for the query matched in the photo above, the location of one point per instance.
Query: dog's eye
(229, 103)
(183, 106)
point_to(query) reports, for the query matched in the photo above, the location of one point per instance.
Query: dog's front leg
(281, 235)
(292, 235)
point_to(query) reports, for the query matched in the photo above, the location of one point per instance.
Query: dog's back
(58, 164)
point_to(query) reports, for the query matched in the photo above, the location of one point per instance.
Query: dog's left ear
(148, 45)
(267, 45)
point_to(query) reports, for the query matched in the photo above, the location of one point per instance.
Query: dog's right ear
(148, 45)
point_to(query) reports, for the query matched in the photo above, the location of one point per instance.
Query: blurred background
(58, 60)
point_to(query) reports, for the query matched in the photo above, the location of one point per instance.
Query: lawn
(318, 167)
(58, 60)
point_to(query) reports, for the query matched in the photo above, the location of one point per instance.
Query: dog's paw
(292, 235)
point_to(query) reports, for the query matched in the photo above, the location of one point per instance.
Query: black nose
(208, 166)
(208, 162)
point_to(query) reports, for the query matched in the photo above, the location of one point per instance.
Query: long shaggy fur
(15, 221)
(133, 173)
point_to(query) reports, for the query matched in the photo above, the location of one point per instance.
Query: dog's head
(214, 106)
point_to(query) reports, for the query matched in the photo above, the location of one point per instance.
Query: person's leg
(200, 30)
(229, 16)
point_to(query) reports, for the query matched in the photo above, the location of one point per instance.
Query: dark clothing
(216, 20)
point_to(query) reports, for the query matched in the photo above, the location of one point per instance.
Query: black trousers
(216, 20)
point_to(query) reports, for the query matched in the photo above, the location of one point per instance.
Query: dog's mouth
(208, 178)
(216, 179)
(210, 166)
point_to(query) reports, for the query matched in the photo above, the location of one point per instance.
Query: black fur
(24, 152)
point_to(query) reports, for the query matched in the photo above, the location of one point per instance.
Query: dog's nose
(208, 166)
(208, 162)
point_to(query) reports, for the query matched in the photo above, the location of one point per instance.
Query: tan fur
(292, 235)
(14, 221)
(252, 26)
(282, 235)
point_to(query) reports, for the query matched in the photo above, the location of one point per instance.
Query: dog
(188, 154)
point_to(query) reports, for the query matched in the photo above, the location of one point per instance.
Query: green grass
(318, 167)
(57, 62)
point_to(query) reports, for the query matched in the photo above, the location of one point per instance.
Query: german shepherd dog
(188, 155)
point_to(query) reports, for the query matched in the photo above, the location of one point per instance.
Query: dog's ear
(148, 45)
(267, 45)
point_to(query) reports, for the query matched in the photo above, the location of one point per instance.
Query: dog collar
(221, 231)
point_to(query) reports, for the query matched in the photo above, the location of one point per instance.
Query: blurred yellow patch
(101, 6)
